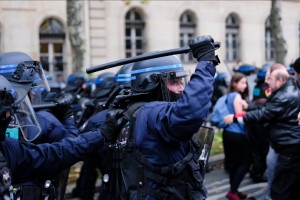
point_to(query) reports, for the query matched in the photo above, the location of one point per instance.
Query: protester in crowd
(236, 146)
(280, 112)
(257, 138)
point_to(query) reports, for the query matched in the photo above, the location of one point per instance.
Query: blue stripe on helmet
(124, 75)
(99, 80)
(158, 68)
(123, 79)
(8, 68)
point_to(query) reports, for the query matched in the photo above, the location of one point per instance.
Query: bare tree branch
(75, 31)
(276, 29)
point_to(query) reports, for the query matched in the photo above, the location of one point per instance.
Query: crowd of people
(262, 133)
(137, 128)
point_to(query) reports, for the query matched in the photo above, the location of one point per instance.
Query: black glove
(65, 99)
(203, 49)
(114, 122)
(64, 109)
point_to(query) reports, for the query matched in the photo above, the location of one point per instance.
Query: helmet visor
(36, 94)
(24, 120)
(173, 84)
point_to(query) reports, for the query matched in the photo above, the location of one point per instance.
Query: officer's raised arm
(186, 115)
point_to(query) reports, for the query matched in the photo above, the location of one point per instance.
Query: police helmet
(147, 75)
(20, 70)
(105, 83)
(246, 69)
(154, 76)
(75, 81)
(123, 76)
(261, 73)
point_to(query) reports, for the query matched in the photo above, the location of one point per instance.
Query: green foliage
(217, 146)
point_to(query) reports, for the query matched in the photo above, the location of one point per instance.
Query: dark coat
(280, 113)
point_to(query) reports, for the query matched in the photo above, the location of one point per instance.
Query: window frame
(51, 36)
(135, 40)
(232, 38)
(187, 31)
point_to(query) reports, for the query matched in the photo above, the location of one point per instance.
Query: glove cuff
(209, 57)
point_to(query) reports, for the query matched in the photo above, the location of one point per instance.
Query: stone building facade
(117, 29)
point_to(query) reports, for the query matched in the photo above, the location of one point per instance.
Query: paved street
(217, 183)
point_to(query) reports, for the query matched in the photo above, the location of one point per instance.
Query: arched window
(134, 30)
(269, 42)
(52, 42)
(187, 31)
(232, 38)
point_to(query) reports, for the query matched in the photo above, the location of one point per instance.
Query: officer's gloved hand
(64, 109)
(65, 99)
(203, 49)
(113, 125)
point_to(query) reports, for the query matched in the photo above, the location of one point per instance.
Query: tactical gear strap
(131, 114)
(173, 170)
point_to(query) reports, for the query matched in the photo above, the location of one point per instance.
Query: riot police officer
(6, 99)
(258, 140)
(21, 71)
(28, 161)
(75, 82)
(154, 156)
(104, 86)
(85, 185)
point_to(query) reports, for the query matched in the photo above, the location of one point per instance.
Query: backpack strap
(230, 98)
